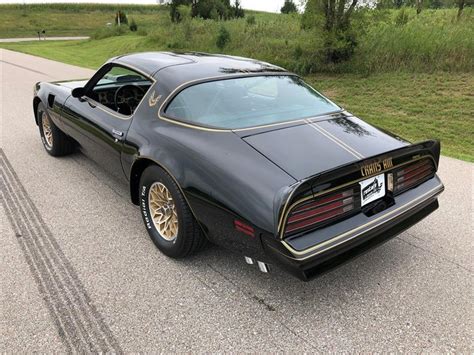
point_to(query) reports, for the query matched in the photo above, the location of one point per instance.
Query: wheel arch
(136, 172)
(36, 102)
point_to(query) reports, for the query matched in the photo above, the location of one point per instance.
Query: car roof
(194, 65)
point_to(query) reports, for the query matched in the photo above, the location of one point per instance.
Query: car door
(96, 123)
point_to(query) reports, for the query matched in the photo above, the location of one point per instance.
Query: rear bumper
(315, 253)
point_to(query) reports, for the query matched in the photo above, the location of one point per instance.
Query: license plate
(372, 189)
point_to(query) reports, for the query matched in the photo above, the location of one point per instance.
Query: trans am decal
(376, 167)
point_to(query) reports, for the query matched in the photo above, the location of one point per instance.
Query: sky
(263, 5)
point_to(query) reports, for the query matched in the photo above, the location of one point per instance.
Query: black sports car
(244, 154)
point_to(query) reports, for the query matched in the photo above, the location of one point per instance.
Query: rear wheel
(54, 140)
(167, 216)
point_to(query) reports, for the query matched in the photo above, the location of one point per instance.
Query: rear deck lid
(317, 146)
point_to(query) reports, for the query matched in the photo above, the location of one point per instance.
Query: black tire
(57, 144)
(189, 238)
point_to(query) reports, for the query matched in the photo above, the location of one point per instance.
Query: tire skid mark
(79, 324)
(37, 276)
(73, 294)
(51, 279)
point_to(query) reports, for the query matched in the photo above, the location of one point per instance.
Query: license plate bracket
(372, 189)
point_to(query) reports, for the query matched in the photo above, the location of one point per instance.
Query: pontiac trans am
(244, 154)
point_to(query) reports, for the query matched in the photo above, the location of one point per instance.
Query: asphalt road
(32, 39)
(78, 271)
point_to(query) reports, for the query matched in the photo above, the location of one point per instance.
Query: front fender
(53, 97)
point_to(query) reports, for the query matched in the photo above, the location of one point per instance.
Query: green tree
(209, 9)
(461, 4)
(288, 7)
(419, 6)
(334, 17)
(237, 10)
(121, 18)
(174, 12)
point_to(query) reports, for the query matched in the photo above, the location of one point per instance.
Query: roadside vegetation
(405, 70)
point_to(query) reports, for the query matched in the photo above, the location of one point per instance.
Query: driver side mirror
(78, 92)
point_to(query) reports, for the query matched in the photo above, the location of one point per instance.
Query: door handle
(117, 133)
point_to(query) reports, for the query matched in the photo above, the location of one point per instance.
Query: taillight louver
(412, 175)
(320, 211)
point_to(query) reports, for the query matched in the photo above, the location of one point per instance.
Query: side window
(120, 89)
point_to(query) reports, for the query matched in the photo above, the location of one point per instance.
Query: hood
(311, 148)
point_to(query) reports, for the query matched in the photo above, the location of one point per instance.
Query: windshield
(120, 75)
(247, 102)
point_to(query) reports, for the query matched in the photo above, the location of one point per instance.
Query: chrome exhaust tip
(263, 267)
(248, 260)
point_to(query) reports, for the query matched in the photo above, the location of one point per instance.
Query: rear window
(247, 102)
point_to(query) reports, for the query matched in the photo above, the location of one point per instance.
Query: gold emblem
(152, 101)
(376, 167)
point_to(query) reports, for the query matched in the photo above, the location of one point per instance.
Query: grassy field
(25, 20)
(415, 106)
(434, 40)
(416, 92)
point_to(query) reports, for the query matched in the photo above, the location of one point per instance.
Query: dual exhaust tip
(263, 267)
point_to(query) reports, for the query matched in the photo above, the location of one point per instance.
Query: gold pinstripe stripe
(330, 137)
(354, 152)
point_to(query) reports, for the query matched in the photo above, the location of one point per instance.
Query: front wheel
(54, 140)
(167, 216)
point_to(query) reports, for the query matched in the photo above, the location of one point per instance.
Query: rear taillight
(412, 175)
(320, 211)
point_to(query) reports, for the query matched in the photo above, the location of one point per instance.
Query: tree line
(207, 9)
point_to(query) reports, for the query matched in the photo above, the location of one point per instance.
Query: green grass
(70, 19)
(88, 53)
(434, 40)
(414, 106)
(415, 80)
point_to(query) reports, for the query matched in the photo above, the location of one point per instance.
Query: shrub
(339, 46)
(298, 52)
(402, 17)
(133, 26)
(288, 7)
(222, 38)
(251, 20)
